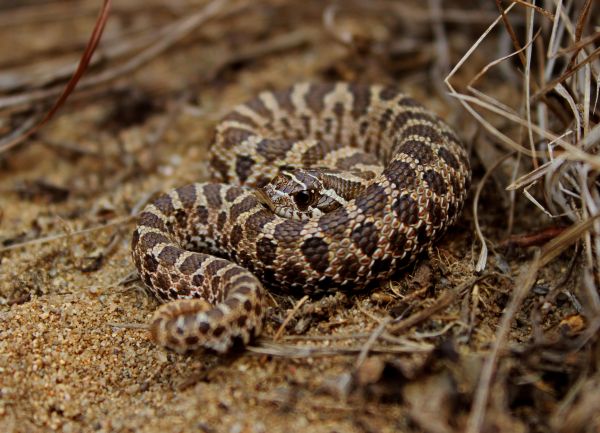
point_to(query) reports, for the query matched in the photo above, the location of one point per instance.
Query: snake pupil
(302, 198)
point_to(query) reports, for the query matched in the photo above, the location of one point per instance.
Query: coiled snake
(205, 248)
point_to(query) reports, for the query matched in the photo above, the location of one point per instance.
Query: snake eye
(302, 198)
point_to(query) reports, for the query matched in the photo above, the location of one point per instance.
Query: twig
(440, 303)
(143, 326)
(287, 351)
(481, 262)
(537, 238)
(364, 352)
(81, 68)
(566, 75)
(289, 317)
(53, 238)
(556, 246)
(180, 30)
(522, 287)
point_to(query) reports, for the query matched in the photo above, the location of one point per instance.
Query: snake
(317, 188)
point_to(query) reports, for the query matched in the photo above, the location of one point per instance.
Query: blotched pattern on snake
(394, 177)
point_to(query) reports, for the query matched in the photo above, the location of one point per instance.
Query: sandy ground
(70, 362)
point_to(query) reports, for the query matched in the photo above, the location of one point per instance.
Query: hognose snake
(412, 175)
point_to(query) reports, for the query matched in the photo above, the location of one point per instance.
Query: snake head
(299, 194)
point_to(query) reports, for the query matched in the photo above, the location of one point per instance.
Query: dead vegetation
(496, 330)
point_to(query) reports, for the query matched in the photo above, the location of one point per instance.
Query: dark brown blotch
(244, 290)
(241, 321)
(150, 264)
(350, 162)
(243, 167)
(349, 268)
(436, 182)
(334, 224)
(215, 265)
(365, 236)
(219, 330)
(400, 173)
(164, 204)
(422, 235)
(258, 106)
(203, 327)
(191, 264)
(187, 195)
(436, 213)
(235, 235)
(363, 128)
(288, 230)
(162, 280)
(212, 192)
(183, 288)
(260, 219)
(338, 110)
(397, 241)
(317, 152)
(372, 200)
(448, 158)
(417, 150)
(150, 240)
(191, 340)
(407, 101)
(423, 130)
(233, 193)
(385, 118)
(236, 116)
(220, 169)
(381, 266)
(315, 97)
(273, 149)
(244, 206)
(284, 100)
(235, 136)
(361, 99)
(202, 214)
(316, 252)
(266, 250)
(149, 219)
(406, 209)
(221, 219)
(388, 93)
(180, 216)
(328, 125)
(170, 254)
(229, 274)
(197, 280)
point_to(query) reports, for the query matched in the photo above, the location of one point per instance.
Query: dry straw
(557, 138)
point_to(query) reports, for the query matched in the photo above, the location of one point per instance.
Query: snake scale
(207, 249)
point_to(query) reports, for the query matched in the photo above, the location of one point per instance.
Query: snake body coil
(207, 247)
